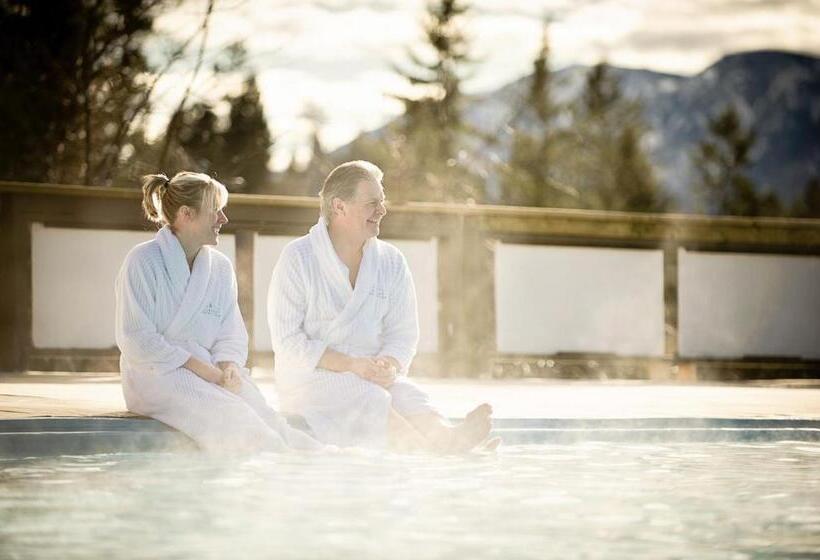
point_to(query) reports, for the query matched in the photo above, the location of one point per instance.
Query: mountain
(776, 92)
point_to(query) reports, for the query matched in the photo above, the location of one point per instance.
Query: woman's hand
(376, 370)
(231, 377)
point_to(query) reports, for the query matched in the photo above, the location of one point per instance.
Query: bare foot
(473, 431)
(490, 445)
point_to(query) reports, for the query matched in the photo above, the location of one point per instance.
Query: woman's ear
(338, 206)
(185, 213)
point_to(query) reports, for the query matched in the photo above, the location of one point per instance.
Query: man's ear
(338, 206)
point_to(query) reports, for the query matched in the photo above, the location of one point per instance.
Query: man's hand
(231, 379)
(390, 362)
(376, 370)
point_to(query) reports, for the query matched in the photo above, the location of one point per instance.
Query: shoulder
(299, 250)
(220, 261)
(389, 253)
(391, 259)
(143, 256)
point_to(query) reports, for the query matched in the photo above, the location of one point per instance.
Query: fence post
(15, 285)
(670, 301)
(466, 273)
(245, 242)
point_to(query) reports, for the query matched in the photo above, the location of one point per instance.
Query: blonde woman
(180, 331)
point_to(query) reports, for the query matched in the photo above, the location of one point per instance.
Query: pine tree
(531, 176)
(247, 142)
(438, 106)
(609, 165)
(808, 204)
(71, 86)
(428, 140)
(200, 137)
(722, 161)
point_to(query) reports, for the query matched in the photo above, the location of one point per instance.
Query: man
(344, 326)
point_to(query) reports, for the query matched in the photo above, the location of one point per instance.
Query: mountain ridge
(776, 92)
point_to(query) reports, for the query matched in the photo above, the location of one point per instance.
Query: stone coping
(54, 436)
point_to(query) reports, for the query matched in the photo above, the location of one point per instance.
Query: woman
(180, 331)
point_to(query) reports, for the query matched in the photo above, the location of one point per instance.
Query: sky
(335, 58)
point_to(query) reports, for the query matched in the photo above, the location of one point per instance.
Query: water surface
(583, 500)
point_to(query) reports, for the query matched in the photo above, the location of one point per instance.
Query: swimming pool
(588, 499)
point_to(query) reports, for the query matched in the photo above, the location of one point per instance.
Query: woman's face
(203, 226)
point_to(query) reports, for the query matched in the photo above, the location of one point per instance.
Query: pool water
(581, 500)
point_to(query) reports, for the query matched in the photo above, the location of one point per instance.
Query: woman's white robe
(166, 313)
(312, 307)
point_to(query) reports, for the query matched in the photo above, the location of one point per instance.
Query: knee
(379, 394)
(404, 388)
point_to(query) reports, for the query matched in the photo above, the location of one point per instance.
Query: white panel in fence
(422, 257)
(73, 272)
(576, 299)
(735, 305)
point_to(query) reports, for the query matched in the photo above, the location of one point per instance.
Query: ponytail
(153, 189)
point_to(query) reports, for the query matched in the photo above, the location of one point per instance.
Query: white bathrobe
(312, 307)
(166, 313)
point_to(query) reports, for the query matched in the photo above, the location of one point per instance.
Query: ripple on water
(704, 500)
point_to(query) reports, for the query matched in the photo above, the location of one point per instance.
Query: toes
(484, 410)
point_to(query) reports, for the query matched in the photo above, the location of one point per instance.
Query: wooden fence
(465, 235)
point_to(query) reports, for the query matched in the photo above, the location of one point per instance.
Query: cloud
(337, 54)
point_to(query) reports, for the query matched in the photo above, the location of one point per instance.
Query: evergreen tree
(722, 160)
(531, 176)
(201, 139)
(609, 166)
(430, 158)
(247, 142)
(438, 106)
(808, 204)
(71, 86)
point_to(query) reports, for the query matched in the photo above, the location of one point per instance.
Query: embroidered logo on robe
(211, 310)
(378, 292)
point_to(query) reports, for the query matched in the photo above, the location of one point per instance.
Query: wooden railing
(465, 259)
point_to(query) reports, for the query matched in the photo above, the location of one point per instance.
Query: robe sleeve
(400, 335)
(287, 307)
(135, 333)
(231, 344)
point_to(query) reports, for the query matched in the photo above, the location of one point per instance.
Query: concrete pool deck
(70, 395)
(48, 413)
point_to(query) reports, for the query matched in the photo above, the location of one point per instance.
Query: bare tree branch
(169, 135)
(139, 109)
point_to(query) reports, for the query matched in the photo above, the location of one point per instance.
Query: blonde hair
(162, 197)
(342, 183)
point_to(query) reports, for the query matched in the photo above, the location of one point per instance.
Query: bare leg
(403, 437)
(455, 439)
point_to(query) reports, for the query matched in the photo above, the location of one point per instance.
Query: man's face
(364, 212)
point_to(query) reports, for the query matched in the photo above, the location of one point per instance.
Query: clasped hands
(378, 369)
(231, 378)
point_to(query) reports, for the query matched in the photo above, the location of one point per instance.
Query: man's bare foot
(490, 445)
(473, 431)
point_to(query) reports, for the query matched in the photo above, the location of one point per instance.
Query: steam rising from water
(614, 500)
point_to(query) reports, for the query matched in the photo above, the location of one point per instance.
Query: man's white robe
(312, 307)
(166, 313)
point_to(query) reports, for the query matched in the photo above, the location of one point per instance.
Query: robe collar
(338, 276)
(188, 286)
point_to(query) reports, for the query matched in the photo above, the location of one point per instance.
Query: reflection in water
(696, 500)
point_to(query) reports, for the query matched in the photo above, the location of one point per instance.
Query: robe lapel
(365, 282)
(173, 256)
(189, 287)
(335, 273)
